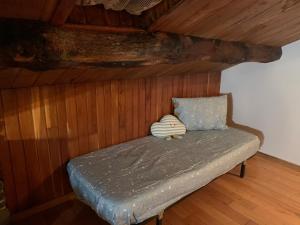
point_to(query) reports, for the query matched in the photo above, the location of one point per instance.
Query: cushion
(204, 113)
(168, 126)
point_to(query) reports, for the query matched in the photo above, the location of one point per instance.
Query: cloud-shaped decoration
(168, 126)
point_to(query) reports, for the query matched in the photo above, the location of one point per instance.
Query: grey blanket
(131, 182)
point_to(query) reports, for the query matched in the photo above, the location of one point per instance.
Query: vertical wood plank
(51, 118)
(81, 112)
(122, 111)
(92, 117)
(135, 108)
(30, 149)
(142, 108)
(115, 111)
(129, 109)
(71, 116)
(39, 124)
(148, 104)
(100, 114)
(175, 86)
(13, 135)
(65, 153)
(204, 81)
(213, 86)
(153, 99)
(185, 87)
(47, 126)
(166, 96)
(107, 114)
(7, 164)
(159, 87)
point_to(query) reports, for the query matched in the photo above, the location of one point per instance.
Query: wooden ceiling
(268, 22)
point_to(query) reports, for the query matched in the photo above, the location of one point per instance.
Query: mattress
(131, 182)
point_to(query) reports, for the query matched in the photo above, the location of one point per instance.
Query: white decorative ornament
(168, 127)
(132, 6)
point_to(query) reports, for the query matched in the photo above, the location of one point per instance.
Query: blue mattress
(131, 182)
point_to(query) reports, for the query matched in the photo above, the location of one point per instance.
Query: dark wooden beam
(103, 29)
(62, 11)
(38, 46)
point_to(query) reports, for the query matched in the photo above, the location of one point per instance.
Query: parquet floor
(268, 195)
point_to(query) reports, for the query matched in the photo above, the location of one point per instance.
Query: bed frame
(242, 145)
(159, 218)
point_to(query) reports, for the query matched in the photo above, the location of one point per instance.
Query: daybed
(131, 182)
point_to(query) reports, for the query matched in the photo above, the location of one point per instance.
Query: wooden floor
(269, 194)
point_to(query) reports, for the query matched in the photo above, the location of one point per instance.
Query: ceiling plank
(63, 10)
(150, 17)
(39, 46)
(267, 22)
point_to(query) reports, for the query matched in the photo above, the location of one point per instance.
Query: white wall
(267, 97)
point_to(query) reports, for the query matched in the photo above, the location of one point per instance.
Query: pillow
(168, 126)
(202, 113)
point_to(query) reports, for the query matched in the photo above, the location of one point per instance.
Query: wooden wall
(43, 127)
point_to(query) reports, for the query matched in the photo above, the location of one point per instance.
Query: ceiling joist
(38, 46)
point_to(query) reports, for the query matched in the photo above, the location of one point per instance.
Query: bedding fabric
(203, 113)
(131, 182)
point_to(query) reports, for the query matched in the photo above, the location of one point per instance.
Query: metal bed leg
(243, 169)
(159, 218)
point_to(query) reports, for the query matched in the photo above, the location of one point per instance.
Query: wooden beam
(63, 10)
(103, 29)
(38, 46)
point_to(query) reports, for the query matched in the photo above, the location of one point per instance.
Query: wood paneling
(261, 198)
(43, 127)
(16, 78)
(271, 22)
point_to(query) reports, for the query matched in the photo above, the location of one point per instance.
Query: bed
(134, 181)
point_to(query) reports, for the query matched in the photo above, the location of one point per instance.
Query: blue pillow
(204, 113)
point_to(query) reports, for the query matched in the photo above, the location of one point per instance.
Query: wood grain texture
(261, 198)
(40, 47)
(268, 22)
(74, 76)
(43, 127)
(271, 22)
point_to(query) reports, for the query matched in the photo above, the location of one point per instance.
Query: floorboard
(268, 195)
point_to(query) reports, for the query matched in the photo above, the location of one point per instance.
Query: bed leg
(159, 218)
(243, 168)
